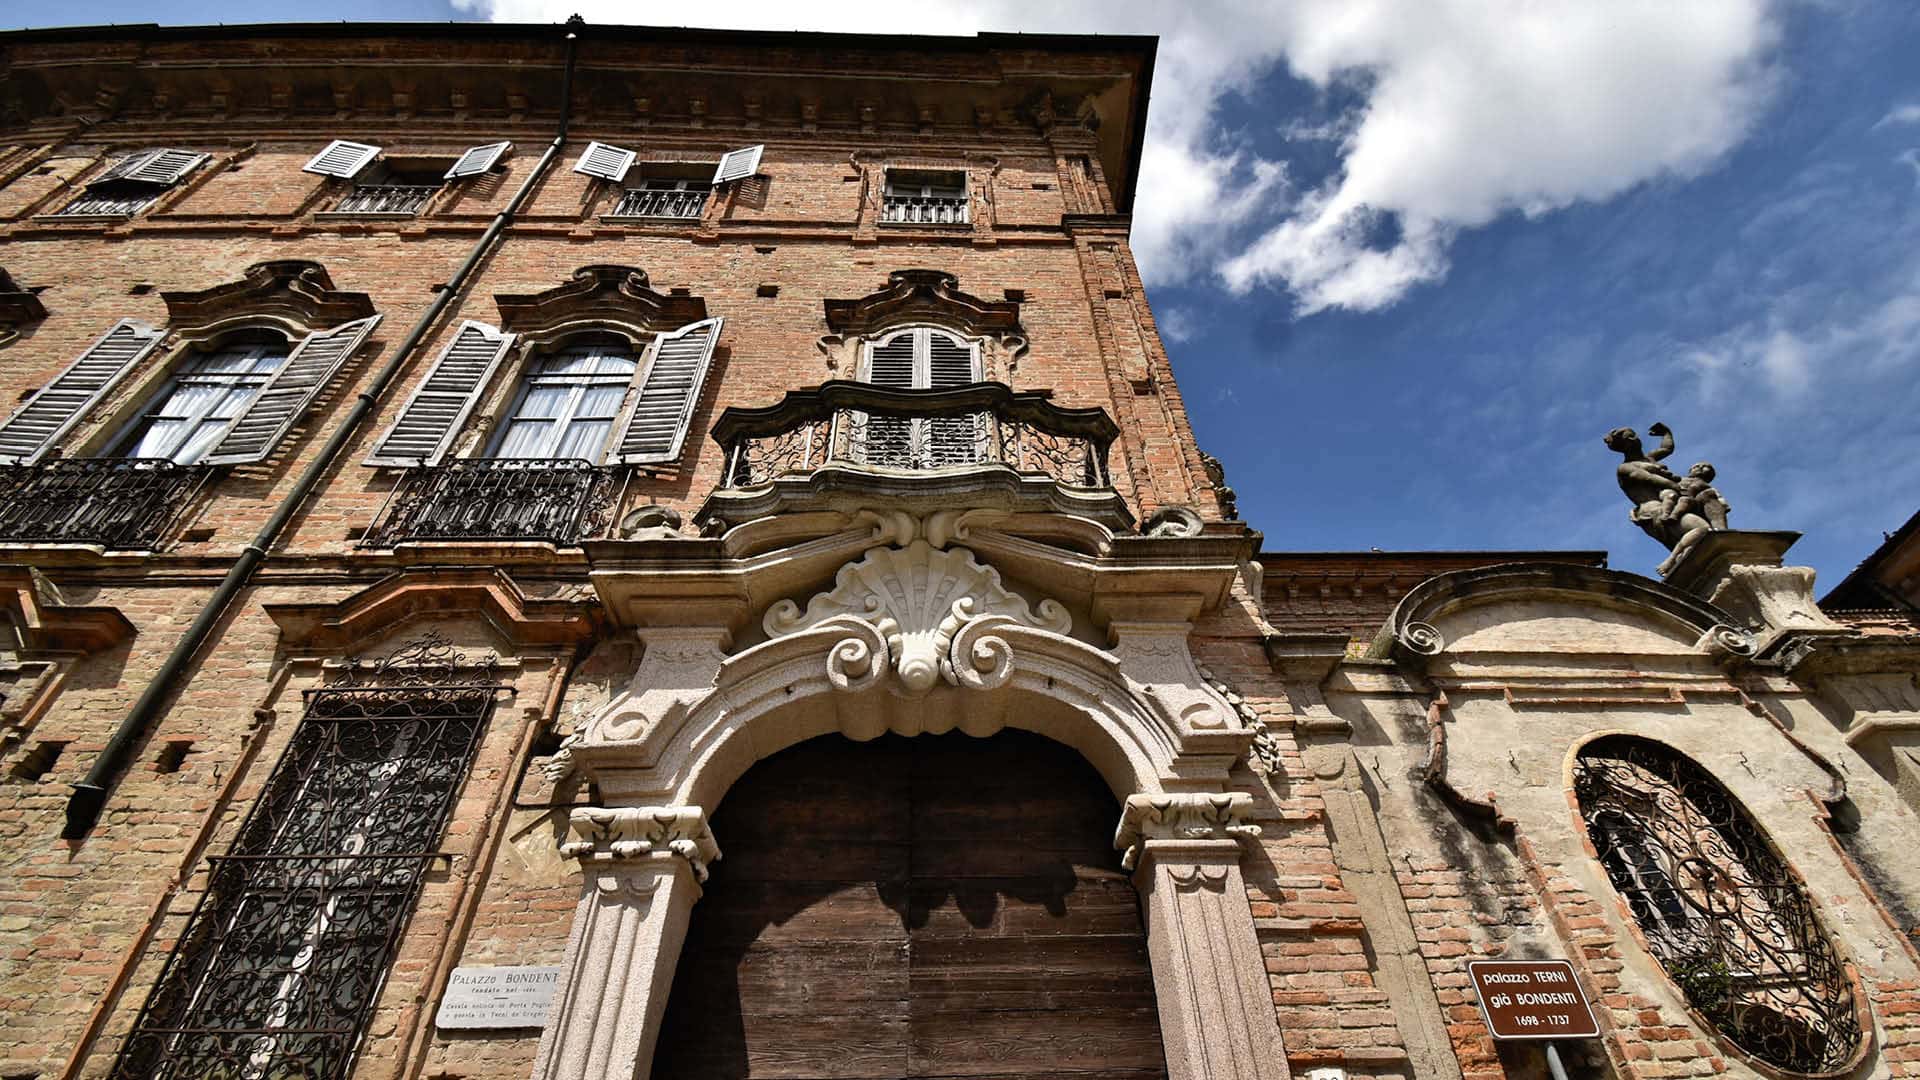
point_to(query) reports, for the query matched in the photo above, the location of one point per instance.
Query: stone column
(642, 868)
(1216, 1006)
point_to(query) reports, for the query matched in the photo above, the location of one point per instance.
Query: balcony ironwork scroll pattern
(643, 202)
(278, 968)
(1718, 906)
(858, 425)
(119, 503)
(924, 209)
(386, 199)
(108, 201)
(559, 502)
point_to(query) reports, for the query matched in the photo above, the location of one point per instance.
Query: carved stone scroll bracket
(934, 610)
(1160, 670)
(641, 870)
(678, 667)
(296, 294)
(1778, 599)
(1186, 816)
(1216, 1007)
(602, 834)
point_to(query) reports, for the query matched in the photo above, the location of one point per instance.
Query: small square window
(922, 197)
(395, 187)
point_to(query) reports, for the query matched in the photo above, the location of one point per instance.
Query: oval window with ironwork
(1719, 908)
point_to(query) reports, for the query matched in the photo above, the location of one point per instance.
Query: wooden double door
(941, 906)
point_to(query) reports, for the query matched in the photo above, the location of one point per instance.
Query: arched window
(922, 358)
(1726, 917)
(200, 402)
(568, 401)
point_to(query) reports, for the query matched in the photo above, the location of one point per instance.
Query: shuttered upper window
(132, 183)
(921, 358)
(568, 402)
(202, 400)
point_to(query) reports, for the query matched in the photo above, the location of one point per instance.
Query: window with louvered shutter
(604, 161)
(342, 159)
(444, 399)
(738, 165)
(31, 431)
(478, 160)
(288, 393)
(922, 358)
(657, 427)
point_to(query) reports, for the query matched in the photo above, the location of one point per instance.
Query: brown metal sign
(1532, 999)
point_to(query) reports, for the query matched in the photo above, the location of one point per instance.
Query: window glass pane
(525, 439)
(544, 402)
(156, 439)
(601, 402)
(204, 436)
(584, 439)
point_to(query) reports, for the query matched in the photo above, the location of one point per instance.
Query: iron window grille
(118, 503)
(281, 962)
(1718, 906)
(681, 199)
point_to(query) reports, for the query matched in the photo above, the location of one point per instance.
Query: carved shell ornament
(928, 614)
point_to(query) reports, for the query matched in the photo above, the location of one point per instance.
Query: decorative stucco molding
(1183, 816)
(924, 296)
(617, 297)
(925, 612)
(295, 294)
(609, 834)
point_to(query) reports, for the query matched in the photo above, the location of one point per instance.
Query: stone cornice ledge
(1183, 817)
(602, 834)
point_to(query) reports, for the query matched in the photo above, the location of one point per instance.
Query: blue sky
(1413, 266)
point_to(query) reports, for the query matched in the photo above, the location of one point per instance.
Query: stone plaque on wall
(498, 997)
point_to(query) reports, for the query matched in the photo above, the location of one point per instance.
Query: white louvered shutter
(288, 393)
(889, 439)
(604, 161)
(478, 160)
(163, 167)
(444, 399)
(657, 428)
(342, 159)
(738, 165)
(32, 430)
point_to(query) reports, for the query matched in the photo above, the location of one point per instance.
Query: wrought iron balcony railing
(858, 425)
(123, 503)
(386, 199)
(924, 209)
(109, 201)
(641, 202)
(560, 502)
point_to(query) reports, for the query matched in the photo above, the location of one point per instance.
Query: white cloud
(1468, 109)
(1900, 114)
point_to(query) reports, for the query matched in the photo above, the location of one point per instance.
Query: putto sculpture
(1677, 511)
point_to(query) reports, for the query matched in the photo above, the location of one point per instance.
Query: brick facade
(1412, 806)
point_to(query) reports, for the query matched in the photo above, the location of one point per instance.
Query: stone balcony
(985, 445)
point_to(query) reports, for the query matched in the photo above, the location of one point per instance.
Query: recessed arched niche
(1718, 906)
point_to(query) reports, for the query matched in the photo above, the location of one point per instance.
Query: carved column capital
(601, 834)
(1187, 817)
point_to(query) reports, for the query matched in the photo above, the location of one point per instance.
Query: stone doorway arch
(911, 640)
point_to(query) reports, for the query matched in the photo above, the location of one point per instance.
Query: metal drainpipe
(90, 795)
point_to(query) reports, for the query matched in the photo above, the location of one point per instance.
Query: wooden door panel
(935, 907)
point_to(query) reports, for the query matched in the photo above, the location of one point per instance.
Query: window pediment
(296, 294)
(932, 297)
(617, 298)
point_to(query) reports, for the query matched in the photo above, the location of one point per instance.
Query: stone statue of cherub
(1677, 511)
